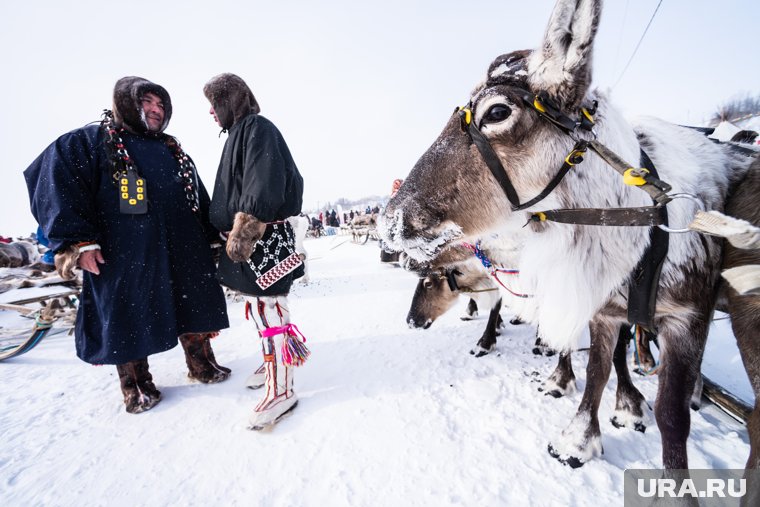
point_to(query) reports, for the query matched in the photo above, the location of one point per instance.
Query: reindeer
(526, 128)
(457, 270)
(441, 282)
(745, 307)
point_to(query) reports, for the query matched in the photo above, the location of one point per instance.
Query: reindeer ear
(562, 66)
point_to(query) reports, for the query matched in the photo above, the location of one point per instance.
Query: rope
(638, 44)
(488, 264)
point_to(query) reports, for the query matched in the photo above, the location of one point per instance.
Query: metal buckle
(682, 196)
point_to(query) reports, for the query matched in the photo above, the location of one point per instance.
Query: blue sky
(360, 90)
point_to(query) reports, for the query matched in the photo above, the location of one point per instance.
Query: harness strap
(491, 159)
(655, 187)
(500, 174)
(642, 216)
(645, 279)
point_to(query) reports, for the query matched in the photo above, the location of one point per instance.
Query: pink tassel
(294, 350)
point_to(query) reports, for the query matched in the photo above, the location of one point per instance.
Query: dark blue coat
(159, 277)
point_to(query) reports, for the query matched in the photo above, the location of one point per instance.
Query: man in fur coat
(257, 188)
(122, 201)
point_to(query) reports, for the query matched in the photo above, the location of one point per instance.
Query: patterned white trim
(279, 270)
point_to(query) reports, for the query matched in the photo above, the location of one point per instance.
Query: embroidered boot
(257, 379)
(279, 397)
(140, 394)
(201, 363)
(274, 327)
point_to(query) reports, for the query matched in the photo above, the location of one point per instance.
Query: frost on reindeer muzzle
(420, 244)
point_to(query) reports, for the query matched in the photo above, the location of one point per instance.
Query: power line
(639, 43)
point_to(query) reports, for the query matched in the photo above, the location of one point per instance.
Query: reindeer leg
(541, 349)
(745, 322)
(488, 340)
(680, 363)
(471, 311)
(630, 403)
(582, 439)
(562, 379)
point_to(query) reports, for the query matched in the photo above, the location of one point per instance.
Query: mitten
(246, 231)
(66, 261)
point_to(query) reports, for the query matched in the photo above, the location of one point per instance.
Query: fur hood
(231, 99)
(127, 109)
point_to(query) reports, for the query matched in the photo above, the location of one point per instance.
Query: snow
(387, 415)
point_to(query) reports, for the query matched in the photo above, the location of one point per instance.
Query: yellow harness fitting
(573, 155)
(632, 176)
(467, 114)
(540, 215)
(539, 107)
(587, 114)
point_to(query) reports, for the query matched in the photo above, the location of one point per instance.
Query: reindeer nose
(391, 226)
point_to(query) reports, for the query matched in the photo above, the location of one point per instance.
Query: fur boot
(200, 359)
(140, 394)
(279, 397)
(246, 231)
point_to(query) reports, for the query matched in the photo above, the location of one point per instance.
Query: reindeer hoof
(570, 461)
(515, 321)
(554, 393)
(637, 425)
(479, 352)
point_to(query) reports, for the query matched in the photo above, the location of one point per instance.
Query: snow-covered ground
(388, 416)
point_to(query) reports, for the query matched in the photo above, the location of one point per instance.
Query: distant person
(124, 202)
(396, 187)
(257, 188)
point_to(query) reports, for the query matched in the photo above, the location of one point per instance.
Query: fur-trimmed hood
(127, 108)
(231, 99)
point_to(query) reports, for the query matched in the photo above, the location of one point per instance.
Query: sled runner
(43, 322)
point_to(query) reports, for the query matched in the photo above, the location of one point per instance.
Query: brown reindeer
(745, 309)
(512, 157)
(457, 271)
(441, 282)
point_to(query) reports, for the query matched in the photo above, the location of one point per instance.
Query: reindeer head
(433, 297)
(450, 194)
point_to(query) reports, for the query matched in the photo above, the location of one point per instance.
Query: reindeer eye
(427, 284)
(496, 114)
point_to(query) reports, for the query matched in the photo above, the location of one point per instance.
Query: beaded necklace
(125, 170)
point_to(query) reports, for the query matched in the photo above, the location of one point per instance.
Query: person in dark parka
(257, 188)
(122, 201)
